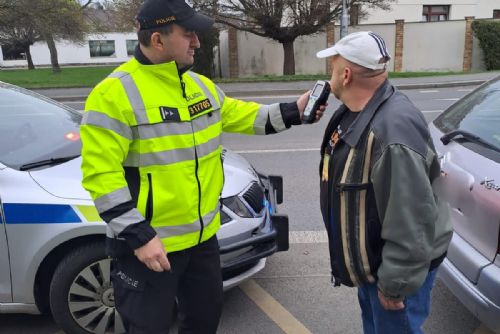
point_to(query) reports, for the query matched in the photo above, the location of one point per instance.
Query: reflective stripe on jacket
(151, 152)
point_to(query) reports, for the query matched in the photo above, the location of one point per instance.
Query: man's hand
(153, 255)
(301, 104)
(390, 304)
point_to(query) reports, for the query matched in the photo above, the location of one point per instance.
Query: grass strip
(90, 76)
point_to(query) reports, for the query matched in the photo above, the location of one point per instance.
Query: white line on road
(242, 97)
(450, 99)
(278, 150)
(428, 91)
(273, 309)
(307, 237)
(431, 111)
(465, 90)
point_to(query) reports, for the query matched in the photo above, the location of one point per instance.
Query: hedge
(488, 33)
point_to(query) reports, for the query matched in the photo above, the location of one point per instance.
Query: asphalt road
(293, 294)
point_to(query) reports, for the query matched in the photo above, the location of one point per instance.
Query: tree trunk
(289, 62)
(29, 59)
(53, 53)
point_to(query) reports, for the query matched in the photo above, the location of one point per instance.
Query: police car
(52, 256)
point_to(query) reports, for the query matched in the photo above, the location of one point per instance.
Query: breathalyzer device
(318, 97)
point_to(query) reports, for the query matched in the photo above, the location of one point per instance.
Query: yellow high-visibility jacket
(151, 156)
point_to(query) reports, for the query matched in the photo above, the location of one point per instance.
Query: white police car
(52, 240)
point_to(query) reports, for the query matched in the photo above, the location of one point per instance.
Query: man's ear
(156, 41)
(346, 76)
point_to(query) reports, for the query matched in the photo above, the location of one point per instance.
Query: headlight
(235, 204)
(224, 218)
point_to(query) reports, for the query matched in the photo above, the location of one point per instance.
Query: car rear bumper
(270, 238)
(473, 296)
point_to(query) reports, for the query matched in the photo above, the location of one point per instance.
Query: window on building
(434, 13)
(354, 15)
(12, 52)
(496, 13)
(131, 45)
(102, 48)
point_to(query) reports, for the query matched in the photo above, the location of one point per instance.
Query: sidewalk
(243, 89)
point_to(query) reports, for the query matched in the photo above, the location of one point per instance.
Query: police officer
(151, 137)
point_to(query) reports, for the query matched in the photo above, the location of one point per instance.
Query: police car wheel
(81, 294)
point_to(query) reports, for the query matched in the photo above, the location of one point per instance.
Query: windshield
(477, 113)
(33, 129)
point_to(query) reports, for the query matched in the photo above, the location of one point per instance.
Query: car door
(469, 144)
(474, 197)
(5, 282)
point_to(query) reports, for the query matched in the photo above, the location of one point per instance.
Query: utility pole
(343, 19)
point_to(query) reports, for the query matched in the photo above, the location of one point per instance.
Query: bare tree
(23, 22)
(285, 20)
(61, 19)
(17, 31)
(123, 13)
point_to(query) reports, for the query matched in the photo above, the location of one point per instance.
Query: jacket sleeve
(408, 212)
(254, 118)
(106, 135)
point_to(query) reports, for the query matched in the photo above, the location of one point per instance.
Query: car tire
(81, 294)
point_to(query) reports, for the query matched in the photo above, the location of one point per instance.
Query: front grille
(254, 196)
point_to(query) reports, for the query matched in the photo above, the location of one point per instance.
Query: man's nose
(195, 42)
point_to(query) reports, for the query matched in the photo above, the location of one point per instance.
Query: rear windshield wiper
(47, 162)
(469, 136)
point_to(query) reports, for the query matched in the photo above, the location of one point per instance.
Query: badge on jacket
(169, 114)
(198, 108)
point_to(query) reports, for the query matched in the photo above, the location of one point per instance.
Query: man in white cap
(387, 230)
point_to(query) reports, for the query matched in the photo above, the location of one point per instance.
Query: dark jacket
(384, 222)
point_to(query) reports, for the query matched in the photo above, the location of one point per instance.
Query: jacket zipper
(149, 203)
(199, 189)
(183, 85)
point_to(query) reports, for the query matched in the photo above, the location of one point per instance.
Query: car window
(477, 113)
(32, 128)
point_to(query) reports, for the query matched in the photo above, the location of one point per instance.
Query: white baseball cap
(364, 48)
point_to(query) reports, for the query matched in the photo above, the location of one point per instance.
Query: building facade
(428, 11)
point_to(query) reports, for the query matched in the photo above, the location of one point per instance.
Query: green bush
(488, 33)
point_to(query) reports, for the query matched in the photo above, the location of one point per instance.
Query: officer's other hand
(301, 104)
(390, 304)
(153, 255)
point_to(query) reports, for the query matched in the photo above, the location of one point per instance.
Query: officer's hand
(301, 104)
(153, 255)
(390, 304)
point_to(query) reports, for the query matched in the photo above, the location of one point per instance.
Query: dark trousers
(146, 299)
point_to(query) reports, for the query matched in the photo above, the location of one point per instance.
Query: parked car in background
(52, 256)
(467, 138)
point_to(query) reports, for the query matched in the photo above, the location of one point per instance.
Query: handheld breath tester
(318, 97)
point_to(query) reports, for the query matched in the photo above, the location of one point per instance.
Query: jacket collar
(352, 136)
(142, 59)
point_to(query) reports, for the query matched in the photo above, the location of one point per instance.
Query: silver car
(467, 138)
(52, 256)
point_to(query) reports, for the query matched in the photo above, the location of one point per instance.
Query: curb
(281, 92)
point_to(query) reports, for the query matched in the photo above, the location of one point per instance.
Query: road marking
(279, 150)
(429, 91)
(243, 97)
(307, 237)
(482, 330)
(450, 99)
(465, 90)
(431, 111)
(274, 310)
